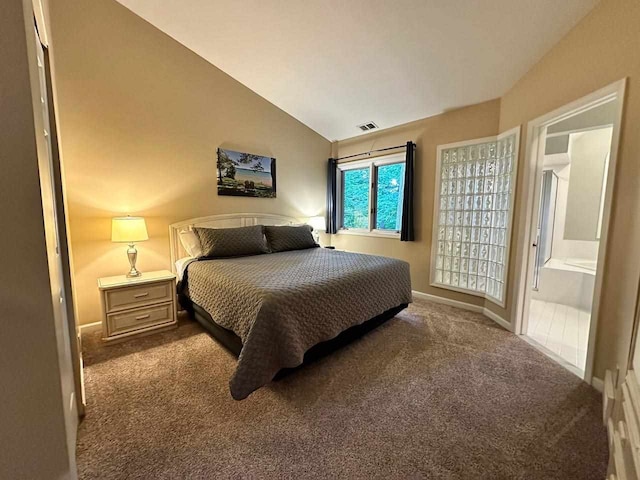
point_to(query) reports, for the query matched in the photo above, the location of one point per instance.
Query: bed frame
(226, 337)
(233, 343)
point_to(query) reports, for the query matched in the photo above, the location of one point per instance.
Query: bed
(277, 310)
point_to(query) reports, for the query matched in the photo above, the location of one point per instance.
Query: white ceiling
(333, 64)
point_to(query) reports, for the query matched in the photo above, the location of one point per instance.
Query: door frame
(536, 137)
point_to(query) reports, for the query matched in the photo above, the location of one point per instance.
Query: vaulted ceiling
(334, 64)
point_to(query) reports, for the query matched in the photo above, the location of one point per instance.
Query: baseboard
(447, 301)
(497, 318)
(90, 327)
(597, 383)
(465, 306)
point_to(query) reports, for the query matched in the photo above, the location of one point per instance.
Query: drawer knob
(142, 317)
(140, 295)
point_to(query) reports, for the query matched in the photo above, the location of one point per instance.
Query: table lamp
(319, 225)
(129, 230)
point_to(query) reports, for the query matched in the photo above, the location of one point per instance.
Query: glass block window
(473, 212)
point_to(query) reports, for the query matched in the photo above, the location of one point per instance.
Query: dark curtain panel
(332, 214)
(273, 176)
(406, 231)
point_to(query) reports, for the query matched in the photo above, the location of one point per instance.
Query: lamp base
(132, 254)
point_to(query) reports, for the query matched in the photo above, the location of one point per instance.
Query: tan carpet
(436, 392)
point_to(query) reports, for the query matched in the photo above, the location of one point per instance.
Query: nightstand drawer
(126, 298)
(118, 323)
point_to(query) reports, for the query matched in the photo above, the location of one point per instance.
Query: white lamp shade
(128, 229)
(318, 223)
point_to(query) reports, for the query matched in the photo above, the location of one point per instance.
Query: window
(370, 193)
(389, 190)
(472, 216)
(356, 198)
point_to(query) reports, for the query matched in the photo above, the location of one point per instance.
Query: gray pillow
(232, 242)
(285, 238)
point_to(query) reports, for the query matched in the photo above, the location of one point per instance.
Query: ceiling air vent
(365, 127)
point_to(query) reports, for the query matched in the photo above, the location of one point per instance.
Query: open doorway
(571, 156)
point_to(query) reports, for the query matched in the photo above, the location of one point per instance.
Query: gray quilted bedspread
(282, 304)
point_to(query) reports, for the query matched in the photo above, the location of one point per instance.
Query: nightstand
(137, 306)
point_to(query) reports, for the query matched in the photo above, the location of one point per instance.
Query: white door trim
(532, 167)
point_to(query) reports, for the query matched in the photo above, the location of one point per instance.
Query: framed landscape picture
(246, 175)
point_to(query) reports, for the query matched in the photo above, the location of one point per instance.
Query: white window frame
(436, 215)
(372, 164)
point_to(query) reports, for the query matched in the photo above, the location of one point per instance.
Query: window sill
(372, 233)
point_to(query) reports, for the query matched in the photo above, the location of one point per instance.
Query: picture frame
(245, 174)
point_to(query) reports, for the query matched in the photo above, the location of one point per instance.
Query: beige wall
(601, 49)
(463, 124)
(33, 436)
(140, 119)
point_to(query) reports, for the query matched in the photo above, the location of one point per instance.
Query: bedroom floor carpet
(436, 392)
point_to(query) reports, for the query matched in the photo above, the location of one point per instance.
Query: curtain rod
(373, 151)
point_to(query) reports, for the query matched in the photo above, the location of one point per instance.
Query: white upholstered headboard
(221, 221)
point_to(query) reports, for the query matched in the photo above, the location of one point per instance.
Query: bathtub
(585, 263)
(568, 282)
